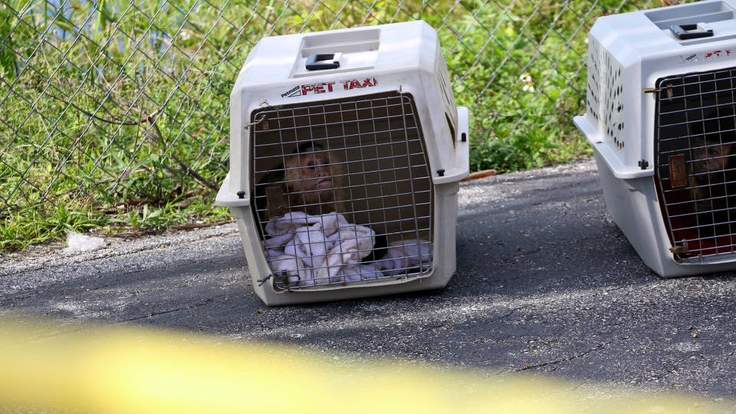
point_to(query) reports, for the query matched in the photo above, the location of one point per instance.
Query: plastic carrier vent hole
(614, 107)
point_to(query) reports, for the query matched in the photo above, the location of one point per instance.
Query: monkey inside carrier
(346, 151)
(661, 99)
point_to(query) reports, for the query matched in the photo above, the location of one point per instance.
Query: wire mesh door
(695, 140)
(342, 192)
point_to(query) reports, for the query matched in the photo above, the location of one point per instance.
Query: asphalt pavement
(545, 283)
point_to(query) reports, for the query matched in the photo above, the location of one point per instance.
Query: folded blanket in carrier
(326, 249)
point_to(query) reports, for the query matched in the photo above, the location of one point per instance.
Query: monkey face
(713, 158)
(311, 171)
(711, 163)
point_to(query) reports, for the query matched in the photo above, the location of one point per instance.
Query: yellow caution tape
(133, 370)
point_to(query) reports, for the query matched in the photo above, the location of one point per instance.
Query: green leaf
(7, 54)
(105, 16)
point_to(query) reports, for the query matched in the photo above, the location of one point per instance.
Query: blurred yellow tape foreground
(126, 370)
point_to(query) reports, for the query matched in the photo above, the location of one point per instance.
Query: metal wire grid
(371, 152)
(696, 173)
(109, 106)
(120, 102)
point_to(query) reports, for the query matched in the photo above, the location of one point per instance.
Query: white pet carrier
(346, 150)
(660, 115)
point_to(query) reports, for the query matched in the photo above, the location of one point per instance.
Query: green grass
(78, 149)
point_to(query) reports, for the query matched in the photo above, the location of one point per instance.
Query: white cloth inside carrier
(326, 249)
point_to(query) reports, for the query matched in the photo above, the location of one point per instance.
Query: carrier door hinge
(679, 250)
(667, 88)
(643, 164)
(280, 280)
(264, 280)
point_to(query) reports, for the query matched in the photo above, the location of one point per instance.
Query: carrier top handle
(690, 31)
(321, 61)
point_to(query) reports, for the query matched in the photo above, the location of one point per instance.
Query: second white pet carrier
(661, 118)
(346, 150)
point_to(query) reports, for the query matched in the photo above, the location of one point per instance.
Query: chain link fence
(115, 112)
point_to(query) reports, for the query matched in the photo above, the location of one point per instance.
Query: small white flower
(528, 82)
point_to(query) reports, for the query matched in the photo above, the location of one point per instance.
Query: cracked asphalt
(545, 283)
